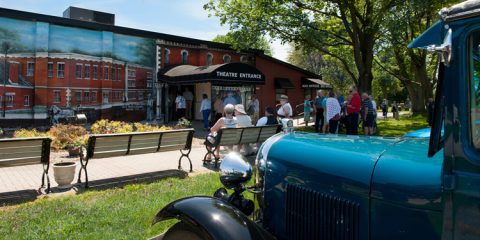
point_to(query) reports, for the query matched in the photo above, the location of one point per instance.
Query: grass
(120, 213)
(389, 127)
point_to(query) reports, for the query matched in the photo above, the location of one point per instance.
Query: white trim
(181, 55)
(19, 86)
(209, 54)
(244, 57)
(9, 94)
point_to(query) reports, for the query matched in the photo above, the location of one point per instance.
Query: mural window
(86, 97)
(50, 69)
(149, 84)
(105, 97)
(149, 76)
(9, 100)
(78, 97)
(1, 103)
(56, 96)
(132, 74)
(87, 71)
(78, 71)
(209, 59)
(94, 96)
(105, 73)
(184, 57)
(60, 70)
(30, 68)
(131, 83)
(140, 95)
(167, 56)
(95, 72)
(114, 73)
(227, 58)
(26, 100)
(131, 95)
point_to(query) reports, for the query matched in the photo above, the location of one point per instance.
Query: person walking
(180, 106)
(307, 109)
(395, 110)
(319, 117)
(218, 107)
(253, 108)
(374, 105)
(353, 109)
(269, 118)
(332, 110)
(285, 110)
(384, 109)
(205, 109)
(189, 100)
(367, 114)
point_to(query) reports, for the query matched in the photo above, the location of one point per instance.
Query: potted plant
(64, 173)
(183, 123)
(74, 147)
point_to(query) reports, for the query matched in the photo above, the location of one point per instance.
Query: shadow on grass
(23, 196)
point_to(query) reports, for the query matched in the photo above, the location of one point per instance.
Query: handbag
(211, 139)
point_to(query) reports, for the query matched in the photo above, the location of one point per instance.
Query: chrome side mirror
(235, 171)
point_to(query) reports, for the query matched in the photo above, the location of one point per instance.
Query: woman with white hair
(285, 110)
(228, 121)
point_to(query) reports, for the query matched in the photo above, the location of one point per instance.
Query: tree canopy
(237, 42)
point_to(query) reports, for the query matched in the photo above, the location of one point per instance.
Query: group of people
(332, 111)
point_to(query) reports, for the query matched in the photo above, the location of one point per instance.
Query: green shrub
(106, 126)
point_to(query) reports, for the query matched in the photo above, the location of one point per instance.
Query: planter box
(64, 173)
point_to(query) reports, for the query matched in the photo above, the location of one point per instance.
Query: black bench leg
(210, 151)
(188, 157)
(45, 175)
(83, 167)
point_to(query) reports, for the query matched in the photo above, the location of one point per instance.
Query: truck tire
(182, 231)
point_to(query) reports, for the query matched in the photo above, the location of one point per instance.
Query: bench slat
(18, 144)
(20, 161)
(106, 154)
(250, 135)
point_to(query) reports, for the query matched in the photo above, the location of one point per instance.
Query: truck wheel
(182, 231)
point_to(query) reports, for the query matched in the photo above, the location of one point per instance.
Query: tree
(413, 67)
(237, 42)
(327, 26)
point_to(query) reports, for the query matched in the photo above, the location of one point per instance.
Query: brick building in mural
(108, 71)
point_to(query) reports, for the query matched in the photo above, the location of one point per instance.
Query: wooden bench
(114, 145)
(27, 151)
(243, 135)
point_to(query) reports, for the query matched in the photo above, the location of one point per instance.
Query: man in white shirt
(189, 100)
(180, 106)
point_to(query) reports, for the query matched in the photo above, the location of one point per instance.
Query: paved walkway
(24, 180)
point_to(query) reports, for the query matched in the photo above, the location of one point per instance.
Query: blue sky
(178, 17)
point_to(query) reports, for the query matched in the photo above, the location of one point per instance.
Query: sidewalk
(24, 180)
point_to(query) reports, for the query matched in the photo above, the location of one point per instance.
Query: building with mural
(108, 71)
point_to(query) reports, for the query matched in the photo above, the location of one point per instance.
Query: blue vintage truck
(311, 186)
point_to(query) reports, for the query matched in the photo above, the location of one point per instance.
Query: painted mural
(65, 66)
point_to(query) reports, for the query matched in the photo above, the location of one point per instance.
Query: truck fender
(218, 218)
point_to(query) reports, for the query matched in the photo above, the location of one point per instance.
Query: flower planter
(73, 151)
(64, 173)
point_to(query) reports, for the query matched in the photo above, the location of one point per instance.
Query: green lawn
(390, 127)
(121, 213)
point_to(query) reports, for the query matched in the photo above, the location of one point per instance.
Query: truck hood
(396, 170)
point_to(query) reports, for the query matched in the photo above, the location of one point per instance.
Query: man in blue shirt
(319, 117)
(230, 99)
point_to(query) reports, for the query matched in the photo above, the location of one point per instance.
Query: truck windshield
(474, 45)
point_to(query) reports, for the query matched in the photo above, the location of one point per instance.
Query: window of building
(184, 56)
(30, 68)
(78, 71)
(167, 56)
(105, 73)
(227, 58)
(132, 74)
(279, 92)
(9, 99)
(149, 84)
(94, 96)
(149, 76)
(95, 72)
(114, 73)
(87, 71)
(209, 59)
(56, 97)
(105, 97)
(140, 95)
(86, 97)
(50, 69)
(60, 70)
(131, 95)
(243, 59)
(26, 100)
(78, 97)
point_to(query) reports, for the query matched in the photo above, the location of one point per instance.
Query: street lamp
(5, 48)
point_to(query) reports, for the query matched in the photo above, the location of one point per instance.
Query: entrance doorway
(172, 95)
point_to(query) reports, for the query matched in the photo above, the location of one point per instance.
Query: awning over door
(283, 83)
(315, 83)
(220, 74)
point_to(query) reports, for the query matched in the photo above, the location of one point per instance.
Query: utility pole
(5, 48)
